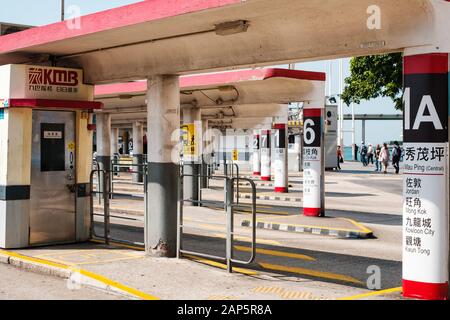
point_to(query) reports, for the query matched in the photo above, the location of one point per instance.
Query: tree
(373, 77)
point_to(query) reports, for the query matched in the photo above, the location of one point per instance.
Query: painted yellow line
(284, 213)
(277, 253)
(118, 244)
(309, 272)
(308, 226)
(74, 264)
(211, 227)
(86, 273)
(371, 294)
(248, 239)
(115, 284)
(358, 225)
(33, 259)
(221, 265)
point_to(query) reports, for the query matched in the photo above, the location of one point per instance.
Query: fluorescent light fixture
(125, 96)
(231, 27)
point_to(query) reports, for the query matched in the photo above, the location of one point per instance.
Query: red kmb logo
(52, 77)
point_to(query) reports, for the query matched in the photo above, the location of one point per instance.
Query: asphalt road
(18, 284)
(299, 257)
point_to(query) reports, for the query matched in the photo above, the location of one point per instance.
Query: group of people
(380, 156)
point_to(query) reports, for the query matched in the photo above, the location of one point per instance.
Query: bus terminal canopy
(248, 95)
(179, 37)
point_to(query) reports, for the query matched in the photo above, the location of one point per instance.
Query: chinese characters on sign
(313, 175)
(425, 168)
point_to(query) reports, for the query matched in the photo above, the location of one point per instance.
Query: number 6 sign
(313, 172)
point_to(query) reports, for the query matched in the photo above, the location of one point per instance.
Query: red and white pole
(425, 181)
(256, 154)
(280, 158)
(313, 162)
(265, 155)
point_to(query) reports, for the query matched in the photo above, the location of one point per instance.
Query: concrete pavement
(17, 284)
(288, 265)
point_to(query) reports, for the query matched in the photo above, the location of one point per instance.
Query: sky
(41, 12)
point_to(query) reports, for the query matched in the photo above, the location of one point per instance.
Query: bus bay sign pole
(425, 182)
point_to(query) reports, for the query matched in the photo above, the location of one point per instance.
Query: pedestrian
(370, 152)
(340, 158)
(384, 157)
(377, 158)
(396, 156)
(363, 154)
(356, 151)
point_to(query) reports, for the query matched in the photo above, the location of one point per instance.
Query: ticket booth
(45, 155)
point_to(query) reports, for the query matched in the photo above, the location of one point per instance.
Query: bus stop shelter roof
(248, 97)
(259, 86)
(196, 36)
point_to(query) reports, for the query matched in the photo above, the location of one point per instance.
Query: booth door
(53, 182)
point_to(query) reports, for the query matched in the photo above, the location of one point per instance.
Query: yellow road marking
(86, 273)
(371, 294)
(248, 239)
(277, 253)
(284, 213)
(118, 244)
(309, 272)
(60, 260)
(221, 265)
(211, 227)
(269, 290)
(115, 284)
(33, 259)
(308, 226)
(358, 225)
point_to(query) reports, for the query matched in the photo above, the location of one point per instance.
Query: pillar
(115, 148)
(363, 138)
(298, 153)
(138, 152)
(265, 155)
(256, 154)
(425, 182)
(104, 146)
(114, 141)
(313, 162)
(163, 119)
(192, 128)
(280, 158)
(205, 154)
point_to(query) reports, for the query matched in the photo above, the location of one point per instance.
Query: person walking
(370, 152)
(396, 156)
(384, 157)
(356, 151)
(363, 154)
(340, 158)
(377, 158)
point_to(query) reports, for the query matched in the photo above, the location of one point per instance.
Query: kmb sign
(53, 77)
(38, 82)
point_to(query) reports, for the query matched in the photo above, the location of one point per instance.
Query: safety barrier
(105, 192)
(229, 207)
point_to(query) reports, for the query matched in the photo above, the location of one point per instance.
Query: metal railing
(106, 213)
(229, 208)
(136, 169)
(105, 193)
(232, 166)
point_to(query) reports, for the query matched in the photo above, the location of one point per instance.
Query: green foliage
(373, 77)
